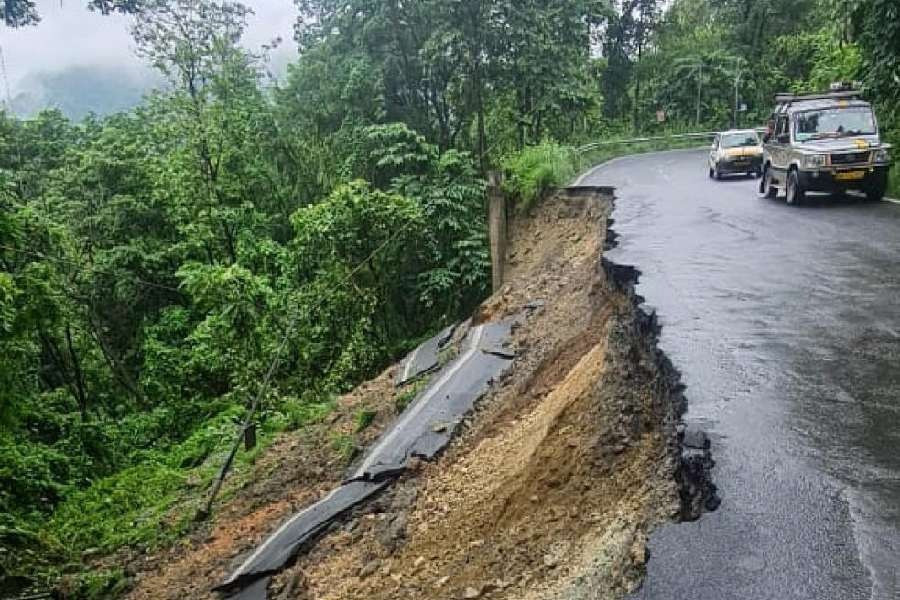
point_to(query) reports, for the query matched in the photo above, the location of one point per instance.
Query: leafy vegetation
(158, 265)
(533, 171)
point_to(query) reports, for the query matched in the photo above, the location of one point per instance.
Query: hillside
(550, 487)
(230, 254)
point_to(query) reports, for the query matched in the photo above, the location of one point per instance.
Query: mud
(298, 469)
(552, 487)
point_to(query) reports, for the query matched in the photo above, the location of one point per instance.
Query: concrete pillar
(497, 227)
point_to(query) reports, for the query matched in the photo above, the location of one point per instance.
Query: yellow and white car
(735, 151)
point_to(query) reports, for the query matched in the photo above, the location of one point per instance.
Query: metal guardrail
(678, 136)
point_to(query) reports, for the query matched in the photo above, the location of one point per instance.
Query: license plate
(850, 175)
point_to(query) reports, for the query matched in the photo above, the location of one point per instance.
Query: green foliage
(403, 399)
(409, 393)
(876, 24)
(363, 419)
(156, 265)
(532, 172)
(96, 584)
(344, 445)
(126, 509)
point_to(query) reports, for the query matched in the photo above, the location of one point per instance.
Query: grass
(153, 503)
(363, 419)
(404, 398)
(532, 173)
(345, 445)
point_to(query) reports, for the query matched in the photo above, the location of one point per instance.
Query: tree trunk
(77, 375)
(119, 371)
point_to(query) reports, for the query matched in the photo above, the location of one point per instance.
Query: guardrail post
(497, 228)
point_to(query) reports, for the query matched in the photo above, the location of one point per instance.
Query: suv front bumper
(845, 178)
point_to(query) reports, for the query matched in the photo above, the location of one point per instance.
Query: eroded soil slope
(551, 485)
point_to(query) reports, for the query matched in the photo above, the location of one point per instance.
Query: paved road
(786, 325)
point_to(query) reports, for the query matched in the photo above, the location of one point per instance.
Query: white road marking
(409, 363)
(422, 402)
(246, 564)
(578, 182)
(589, 172)
(476, 339)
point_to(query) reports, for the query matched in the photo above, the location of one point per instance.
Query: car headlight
(882, 155)
(812, 161)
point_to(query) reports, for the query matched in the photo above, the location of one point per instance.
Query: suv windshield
(834, 122)
(739, 140)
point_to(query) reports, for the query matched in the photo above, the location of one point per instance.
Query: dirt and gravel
(296, 470)
(548, 491)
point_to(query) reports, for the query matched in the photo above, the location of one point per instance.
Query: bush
(529, 174)
(127, 508)
(534, 171)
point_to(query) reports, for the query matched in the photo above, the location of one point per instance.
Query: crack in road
(765, 332)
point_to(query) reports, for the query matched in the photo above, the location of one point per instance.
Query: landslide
(549, 489)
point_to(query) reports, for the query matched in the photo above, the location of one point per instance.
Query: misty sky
(71, 35)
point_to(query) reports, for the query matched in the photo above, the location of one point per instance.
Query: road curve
(785, 323)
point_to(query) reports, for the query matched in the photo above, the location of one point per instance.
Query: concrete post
(497, 228)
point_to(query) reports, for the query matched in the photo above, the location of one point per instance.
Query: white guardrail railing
(678, 136)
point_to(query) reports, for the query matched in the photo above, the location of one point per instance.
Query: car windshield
(834, 122)
(739, 140)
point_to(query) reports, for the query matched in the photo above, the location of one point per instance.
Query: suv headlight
(882, 155)
(813, 161)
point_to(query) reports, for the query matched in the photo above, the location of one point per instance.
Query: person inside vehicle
(770, 129)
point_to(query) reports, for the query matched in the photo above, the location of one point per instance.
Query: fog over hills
(80, 90)
(82, 62)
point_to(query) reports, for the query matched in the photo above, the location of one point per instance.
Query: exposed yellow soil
(542, 496)
(548, 491)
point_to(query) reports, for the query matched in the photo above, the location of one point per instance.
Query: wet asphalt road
(785, 323)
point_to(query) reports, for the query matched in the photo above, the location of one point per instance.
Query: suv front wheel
(875, 190)
(795, 194)
(766, 189)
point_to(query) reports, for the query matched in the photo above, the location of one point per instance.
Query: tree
(877, 29)
(22, 13)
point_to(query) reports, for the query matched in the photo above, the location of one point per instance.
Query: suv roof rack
(841, 95)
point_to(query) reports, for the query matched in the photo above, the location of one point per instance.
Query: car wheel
(875, 195)
(794, 193)
(875, 192)
(718, 174)
(766, 189)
